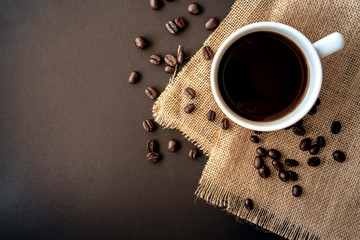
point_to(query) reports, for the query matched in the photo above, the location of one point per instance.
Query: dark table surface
(72, 146)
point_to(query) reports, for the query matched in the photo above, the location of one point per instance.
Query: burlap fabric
(330, 205)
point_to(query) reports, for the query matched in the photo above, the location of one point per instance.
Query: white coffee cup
(312, 53)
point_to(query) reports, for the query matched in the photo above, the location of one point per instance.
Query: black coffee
(263, 76)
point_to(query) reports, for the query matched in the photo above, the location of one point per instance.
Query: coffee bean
(171, 27)
(153, 157)
(189, 92)
(277, 164)
(193, 154)
(291, 162)
(189, 108)
(258, 132)
(296, 191)
(152, 146)
(169, 69)
(180, 56)
(173, 145)
(305, 144)
(207, 53)
(314, 149)
(264, 172)
(254, 139)
(170, 60)
(292, 175)
(261, 151)
(155, 59)
(284, 176)
(321, 141)
(180, 22)
(148, 125)
(211, 23)
(298, 130)
(211, 115)
(335, 127)
(339, 156)
(154, 4)
(193, 8)
(225, 124)
(151, 93)
(134, 77)
(317, 103)
(258, 162)
(313, 162)
(312, 111)
(274, 154)
(140, 42)
(249, 205)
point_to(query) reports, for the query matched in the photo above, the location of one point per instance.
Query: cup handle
(329, 44)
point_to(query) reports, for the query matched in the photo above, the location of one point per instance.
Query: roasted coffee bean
(170, 60)
(134, 77)
(254, 139)
(189, 92)
(317, 103)
(314, 149)
(296, 191)
(211, 23)
(261, 151)
(189, 108)
(277, 164)
(298, 130)
(335, 127)
(284, 176)
(153, 157)
(264, 172)
(211, 115)
(305, 144)
(180, 56)
(155, 59)
(274, 154)
(154, 4)
(339, 156)
(180, 22)
(148, 125)
(173, 145)
(140, 42)
(292, 175)
(152, 146)
(291, 162)
(151, 93)
(193, 8)
(169, 69)
(258, 132)
(313, 162)
(171, 27)
(193, 154)
(258, 162)
(207, 53)
(312, 111)
(321, 141)
(249, 205)
(225, 124)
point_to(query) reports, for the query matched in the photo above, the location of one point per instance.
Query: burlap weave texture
(330, 205)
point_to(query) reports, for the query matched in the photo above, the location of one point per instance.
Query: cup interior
(314, 76)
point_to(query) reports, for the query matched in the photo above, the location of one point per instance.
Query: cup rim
(314, 73)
